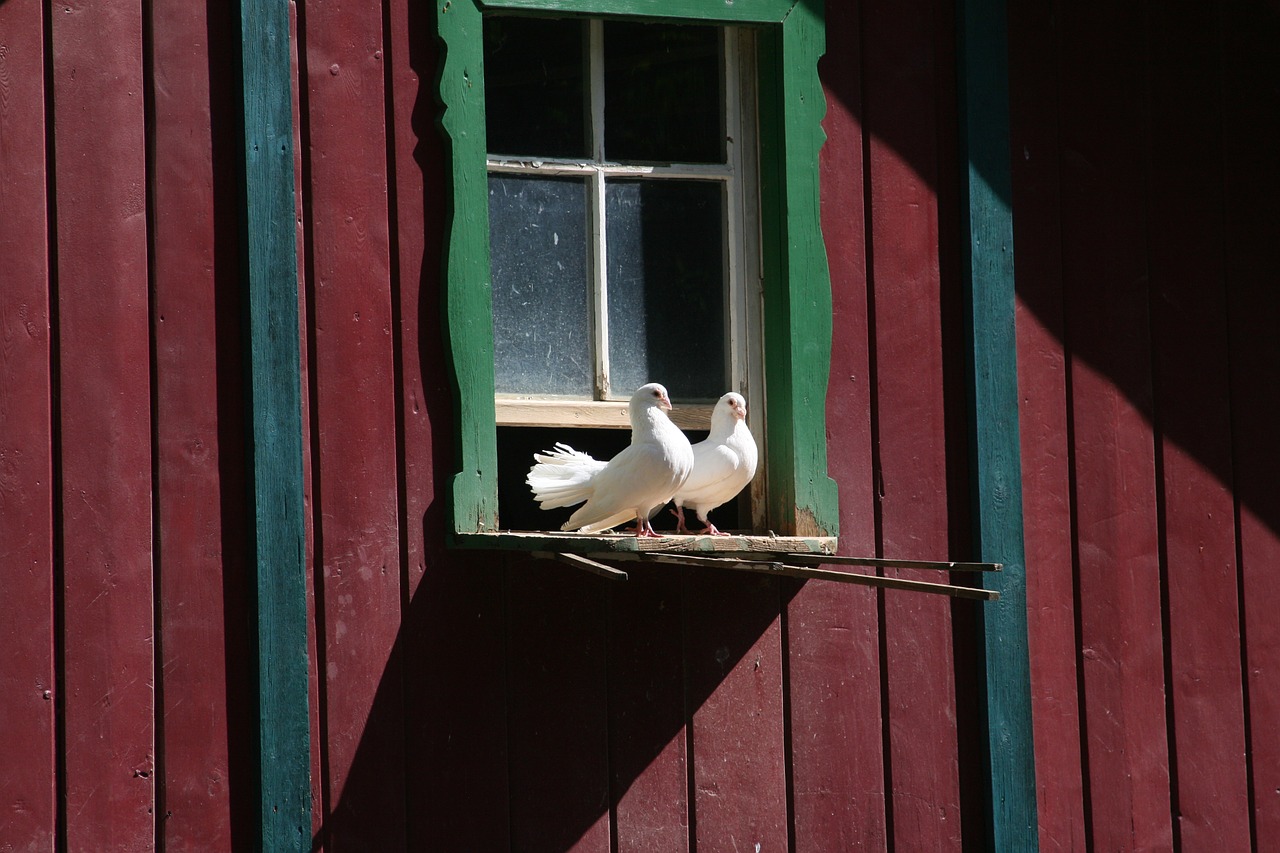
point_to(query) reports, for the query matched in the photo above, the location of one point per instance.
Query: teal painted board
(996, 474)
(270, 278)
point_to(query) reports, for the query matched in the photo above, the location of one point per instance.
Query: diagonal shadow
(522, 731)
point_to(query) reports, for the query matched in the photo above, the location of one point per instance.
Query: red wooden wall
(1145, 227)
(486, 702)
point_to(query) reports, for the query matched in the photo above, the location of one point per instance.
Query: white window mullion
(599, 255)
(736, 330)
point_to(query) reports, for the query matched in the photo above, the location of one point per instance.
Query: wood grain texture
(468, 304)
(1108, 326)
(104, 419)
(1193, 416)
(1251, 173)
(352, 380)
(802, 499)
(270, 278)
(199, 433)
(28, 791)
(648, 762)
(995, 463)
(762, 11)
(733, 636)
(557, 713)
(1043, 415)
(900, 102)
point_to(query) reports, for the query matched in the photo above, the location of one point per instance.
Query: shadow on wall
(520, 731)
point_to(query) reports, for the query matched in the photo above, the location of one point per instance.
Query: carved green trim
(797, 287)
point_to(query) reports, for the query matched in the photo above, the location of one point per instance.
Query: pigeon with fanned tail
(722, 464)
(633, 484)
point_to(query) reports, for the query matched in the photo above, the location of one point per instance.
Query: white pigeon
(633, 484)
(723, 463)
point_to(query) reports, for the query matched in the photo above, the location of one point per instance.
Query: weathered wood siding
(1148, 367)
(491, 702)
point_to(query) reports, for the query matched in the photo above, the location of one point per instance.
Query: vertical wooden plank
(1250, 125)
(353, 391)
(797, 288)
(557, 720)
(734, 662)
(996, 471)
(900, 103)
(1105, 282)
(647, 734)
(833, 658)
(454, 635)
(1043, 415)
(199, 428)
(1189, 338)
(28, 787)
(270, 277)
(469, 311)
(105, 424)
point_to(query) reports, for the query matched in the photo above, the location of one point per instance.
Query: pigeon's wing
(714, 470)
(637, 478)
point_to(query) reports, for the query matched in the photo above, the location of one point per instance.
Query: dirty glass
(534, 77)
(663, 96)
(541, 283)
(667, 315)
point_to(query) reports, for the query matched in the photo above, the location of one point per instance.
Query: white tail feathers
(562, 476)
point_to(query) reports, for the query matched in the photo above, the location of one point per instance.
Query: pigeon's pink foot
(712, 530)
(645, 529)
(678, 512)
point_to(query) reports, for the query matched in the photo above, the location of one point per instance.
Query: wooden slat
(1191, 373)
(995, 464)
(881, 563)
(199, 431)
(782, 569)
(270, 279)
(352, 380)
(734, 662)
(105, 426)
(584, 563)
(28, 786)
(1043, 414)
(625, 543)
(648, 735)
(1250, 125)
(836, 764)
(587, 413)
(455, 703)
(901, 102)
(1104, 282)
(557, 722)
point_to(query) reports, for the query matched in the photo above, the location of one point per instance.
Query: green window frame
(801, 499)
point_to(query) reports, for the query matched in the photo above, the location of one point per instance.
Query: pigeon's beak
(666, 403)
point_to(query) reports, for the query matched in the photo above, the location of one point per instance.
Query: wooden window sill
(788, 556)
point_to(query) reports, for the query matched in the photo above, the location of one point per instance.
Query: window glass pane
(667, 319)
(534, 89)
(662, 93)
(538, 257)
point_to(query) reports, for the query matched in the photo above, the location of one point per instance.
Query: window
(555, 303)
